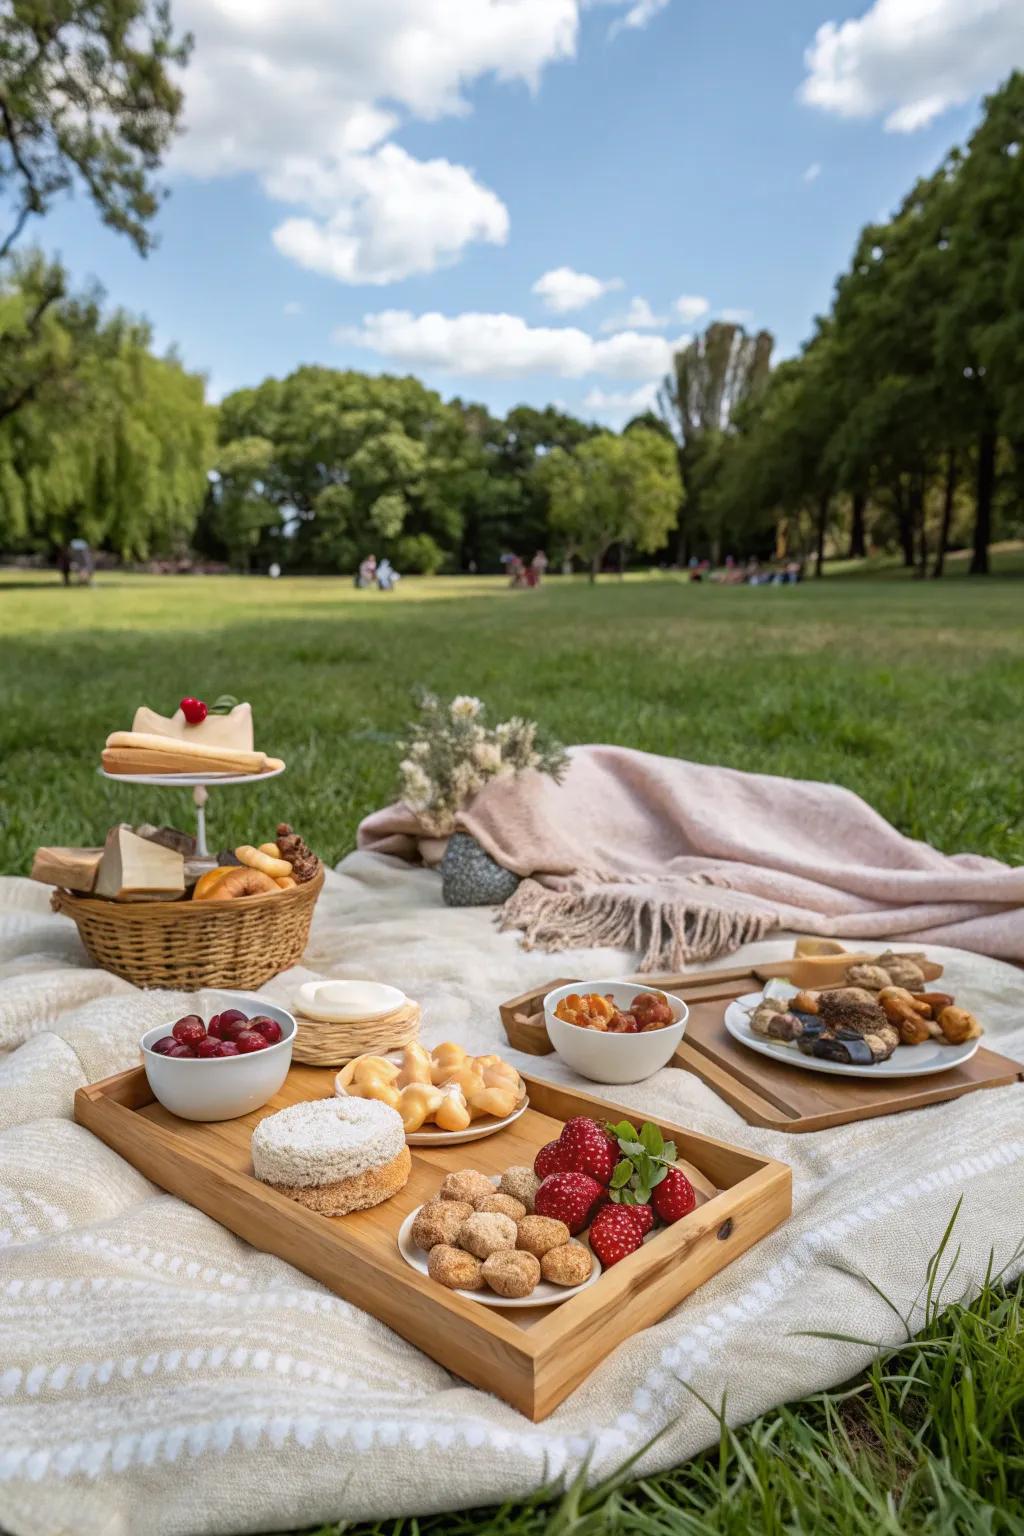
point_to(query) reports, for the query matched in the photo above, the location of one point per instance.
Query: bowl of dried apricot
(614, 1031)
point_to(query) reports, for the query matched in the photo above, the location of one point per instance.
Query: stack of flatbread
(158, 745)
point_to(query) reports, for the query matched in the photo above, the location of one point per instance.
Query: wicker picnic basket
(188, 944)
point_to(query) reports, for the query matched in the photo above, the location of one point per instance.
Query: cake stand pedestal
(199, 784)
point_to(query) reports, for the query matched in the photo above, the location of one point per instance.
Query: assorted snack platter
(270, 1175)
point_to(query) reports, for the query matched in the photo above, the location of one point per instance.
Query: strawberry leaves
(646, 1159)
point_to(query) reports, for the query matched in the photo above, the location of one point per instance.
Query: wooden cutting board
(767, 1092)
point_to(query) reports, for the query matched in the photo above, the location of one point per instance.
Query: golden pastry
(569, 1264)
(444, 1087)
(466, 1184)
(438, 1222)
(536, 1234)
(452, 1267)
(505, 1205)
(485, 1232)
(510, 1273)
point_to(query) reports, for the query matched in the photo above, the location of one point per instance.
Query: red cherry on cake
(164, 1046)
(209, 1046)
(269, 1028)
(250, 1040)
(189, 1030)
(194, 710)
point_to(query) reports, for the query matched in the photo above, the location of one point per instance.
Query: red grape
(208, 1046)
(181, 1050)
(269, 1028)
(250, 1040)
(232, 1023)
(228, 1048)
(233, 1015)
(164, 1045)
(189, 1030)
(213, 1028)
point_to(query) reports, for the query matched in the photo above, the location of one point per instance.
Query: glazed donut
(238, 882)
(255, 858)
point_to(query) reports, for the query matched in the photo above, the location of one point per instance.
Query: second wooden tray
(767, 1092)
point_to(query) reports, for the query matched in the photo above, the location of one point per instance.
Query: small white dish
(347, 1002)
(608, 1058)
(220, 1088)
(544, 1294)
(905, 1061)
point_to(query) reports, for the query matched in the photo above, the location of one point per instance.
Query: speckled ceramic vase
(471, 878)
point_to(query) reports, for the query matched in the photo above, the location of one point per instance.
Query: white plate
(347, 1002)
(190, 780)
(905, 1061)
(544, 1294)
(432, 1135)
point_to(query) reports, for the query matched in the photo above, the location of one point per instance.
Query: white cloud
(563, 290)
(293, 307)
(506, 346)
(812, 172)
(306, 95)
(638, 317)
(691, 306)
(619, 406)
(913, 59)
(393, 216)
(736, 316)
(639, 14)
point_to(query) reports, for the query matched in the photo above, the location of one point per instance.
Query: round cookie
(333, 1155)
(568, 1264)
(438, 1222)
(536, 1234)
(467, 1184)
(452, 1267)
(511, 1273)
(521, 1183)
(485, 1232)
(503, 1203)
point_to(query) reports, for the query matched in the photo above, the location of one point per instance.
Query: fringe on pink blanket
(685, 862)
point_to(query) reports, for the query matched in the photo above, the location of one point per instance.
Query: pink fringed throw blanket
(685, 862)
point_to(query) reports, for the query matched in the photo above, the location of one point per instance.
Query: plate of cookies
(445, 1096)
(480, 1237)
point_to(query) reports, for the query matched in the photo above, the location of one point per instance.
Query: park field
(907, 692)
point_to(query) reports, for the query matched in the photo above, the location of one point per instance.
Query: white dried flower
(417, 790)
(465, 707)
(487, 756)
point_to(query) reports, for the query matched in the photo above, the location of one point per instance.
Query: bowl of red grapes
(224, 1060)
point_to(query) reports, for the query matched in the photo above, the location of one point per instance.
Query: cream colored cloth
(685, 861)
(157, 1375)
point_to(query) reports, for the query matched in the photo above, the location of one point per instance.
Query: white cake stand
(199, 784)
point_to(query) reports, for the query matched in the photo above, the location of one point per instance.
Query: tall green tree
(612, 490)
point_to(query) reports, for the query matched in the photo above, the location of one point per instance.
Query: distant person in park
(539, 566)
(64, 564)
(516, 572)
(387, 577)
(274, 571)
(367, 572)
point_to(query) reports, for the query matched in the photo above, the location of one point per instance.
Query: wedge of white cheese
(233, 730)
(133, 867)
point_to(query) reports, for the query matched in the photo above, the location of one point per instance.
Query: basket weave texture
(188, 944)
(319, 1044)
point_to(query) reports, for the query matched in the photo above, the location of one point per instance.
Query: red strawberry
(549, 1160)
(674, 1196)
(642, 1215)
(588, 1148)
(615, 1233)
(569, 1197)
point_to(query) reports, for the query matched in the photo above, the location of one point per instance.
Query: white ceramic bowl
(607, 1058)
(220, 1088)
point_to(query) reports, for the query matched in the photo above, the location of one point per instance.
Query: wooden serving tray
(767, 1092)
(531, 1358)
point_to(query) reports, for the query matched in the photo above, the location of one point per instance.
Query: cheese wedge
(73, 869)
(233, 730)
(132, 866)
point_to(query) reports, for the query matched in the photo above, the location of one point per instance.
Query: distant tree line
(899, 426)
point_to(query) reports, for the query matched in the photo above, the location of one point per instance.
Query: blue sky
(382, 184)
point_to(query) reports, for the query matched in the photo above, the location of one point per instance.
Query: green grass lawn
(908, 692)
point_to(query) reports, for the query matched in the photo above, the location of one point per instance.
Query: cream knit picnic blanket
(158, 1376)
(687, 861)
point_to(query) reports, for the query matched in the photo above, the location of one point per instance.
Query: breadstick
(275, 868)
